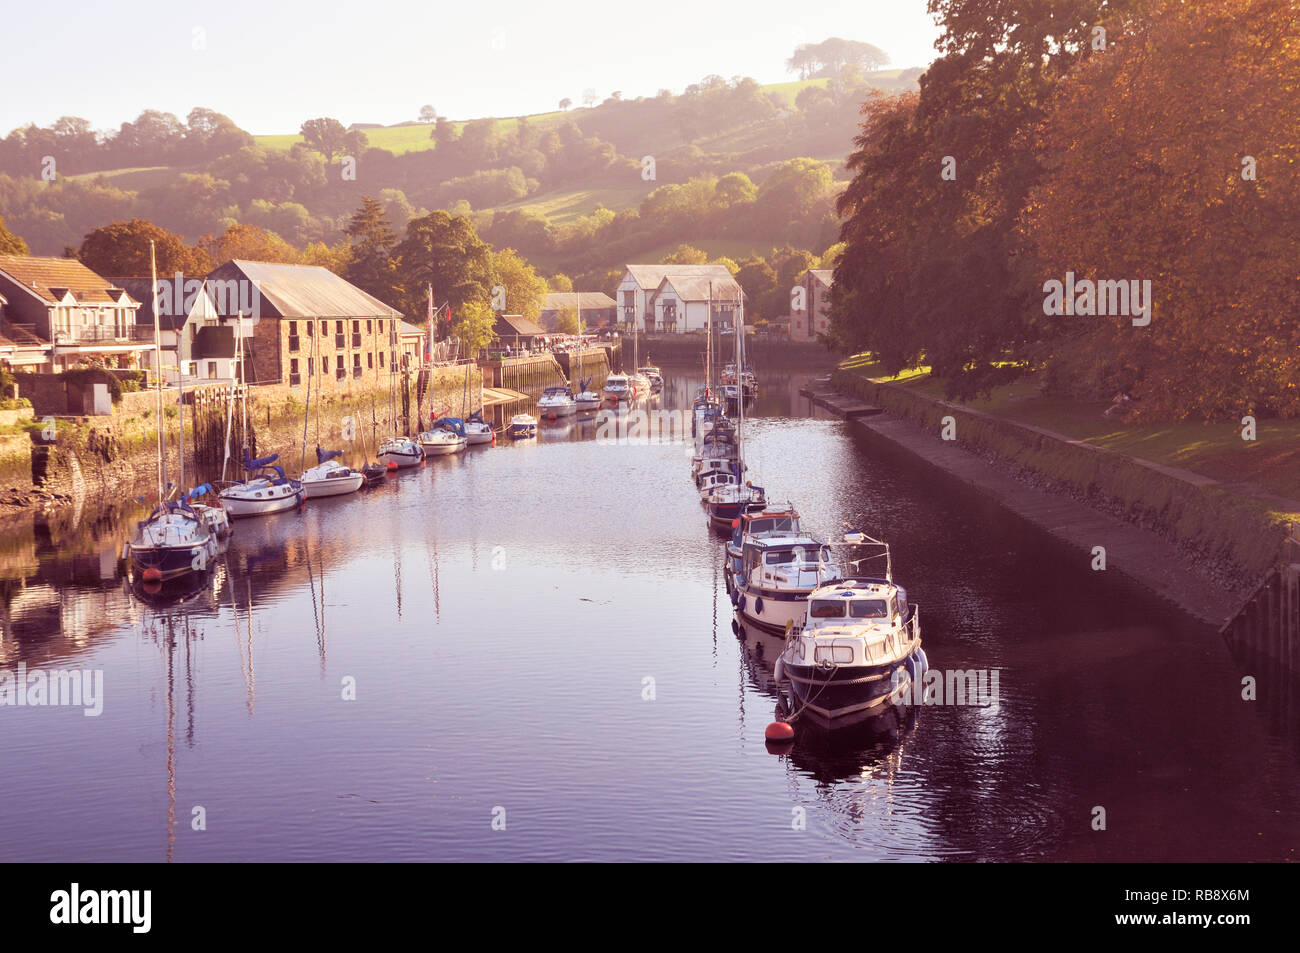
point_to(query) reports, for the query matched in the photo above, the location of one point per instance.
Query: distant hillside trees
(833, 56)
(11, 244)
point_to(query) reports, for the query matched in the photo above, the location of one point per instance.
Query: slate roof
(303, 291)
(587, 301)
(52, 278)
(650, 276)
(699, 288)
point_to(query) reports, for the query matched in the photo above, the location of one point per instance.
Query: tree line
(1102, 141)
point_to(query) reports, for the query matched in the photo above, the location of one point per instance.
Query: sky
(271, 65)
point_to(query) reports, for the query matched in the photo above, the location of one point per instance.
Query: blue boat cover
(259, 462)
(454, 424)
(323, 455)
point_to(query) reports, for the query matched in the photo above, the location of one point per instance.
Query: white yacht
(446, 436)
(556, 402)
(776, 576)
(478, 431)
(401, 452)
(857, 654)
(329, 477)
(618, 389)
(266, 490)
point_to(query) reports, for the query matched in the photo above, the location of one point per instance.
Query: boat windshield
(826, 609)
(797, 554)
(869, 609)
(773, 525)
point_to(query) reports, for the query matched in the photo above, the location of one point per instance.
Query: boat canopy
(453, 424)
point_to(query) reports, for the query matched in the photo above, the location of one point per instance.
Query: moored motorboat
(330, 477)
(728, 500)
(446, 436)
(654, 376)
(774, 521)
(556, 402)
(775, 577)
(618, 389)
(522, 426)
(401, 452)
(858, 653)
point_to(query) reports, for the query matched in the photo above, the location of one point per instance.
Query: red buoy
(151, 575)
(779, 731)
(392, 465)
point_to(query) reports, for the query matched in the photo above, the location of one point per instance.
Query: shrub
(84, 376)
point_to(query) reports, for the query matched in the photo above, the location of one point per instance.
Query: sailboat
(265, 489)
(174, 540)
(398, 451)
(329, 477)
(728, 500)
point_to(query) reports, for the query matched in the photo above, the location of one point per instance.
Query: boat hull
(444, 448)
(772, 611)
(473, 438)
(171, 562)
(848, 695)
(242, 505)
(332, 486)
(402, 460)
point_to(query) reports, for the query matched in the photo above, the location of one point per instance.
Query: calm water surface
(500, 613)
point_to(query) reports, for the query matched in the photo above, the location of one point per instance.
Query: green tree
(686, 255)
(525, 289)
(370, 256)
(444, 250)
(331, 138)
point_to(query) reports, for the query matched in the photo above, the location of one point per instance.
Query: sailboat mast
(157, 355)
(180, 402)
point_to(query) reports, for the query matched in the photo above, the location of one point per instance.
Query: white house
(639, 290)
(681, 304)
(196, 341)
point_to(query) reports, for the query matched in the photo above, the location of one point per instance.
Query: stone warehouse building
(304, 323)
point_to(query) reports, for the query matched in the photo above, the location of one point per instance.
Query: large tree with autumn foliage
(1172, 157)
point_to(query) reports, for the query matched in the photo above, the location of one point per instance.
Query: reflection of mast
(432, 556)
(246, 670)
(319, 618)
(171, 739)
(397, 574)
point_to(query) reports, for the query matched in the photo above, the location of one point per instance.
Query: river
(526, 652)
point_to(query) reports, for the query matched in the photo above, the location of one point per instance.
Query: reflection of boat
(477, 431)
(858, 652)
(175, 592)
(266, 490)
(556, 402)
(446, 436)
(329, 477)
(401, 452)
(522, 425)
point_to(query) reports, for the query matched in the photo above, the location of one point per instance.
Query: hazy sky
(270, 65)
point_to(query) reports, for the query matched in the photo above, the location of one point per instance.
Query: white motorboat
(522, 426)
(401, 452)
(266, 490)
(330, 477)
(641, 387)
(477, 431)
(654, 376)
(618, 389)
(556, 402)
(446, 436)
(586, 399)
(858, 654)
(776, 575)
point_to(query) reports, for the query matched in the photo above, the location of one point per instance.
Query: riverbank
(1197, 541)
(114, 457)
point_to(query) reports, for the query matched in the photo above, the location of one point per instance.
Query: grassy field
(563, 207)
(402, 139)
(1215, 450)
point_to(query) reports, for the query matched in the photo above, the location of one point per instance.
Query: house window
(293, 335)
(381, 358)
(310, 370)
(356, 365)
(212, 370)
(369, 327)
(311, 327)
(325, 364)
(370, 361)
(341, 372)
(324, 328)
(294, 378)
